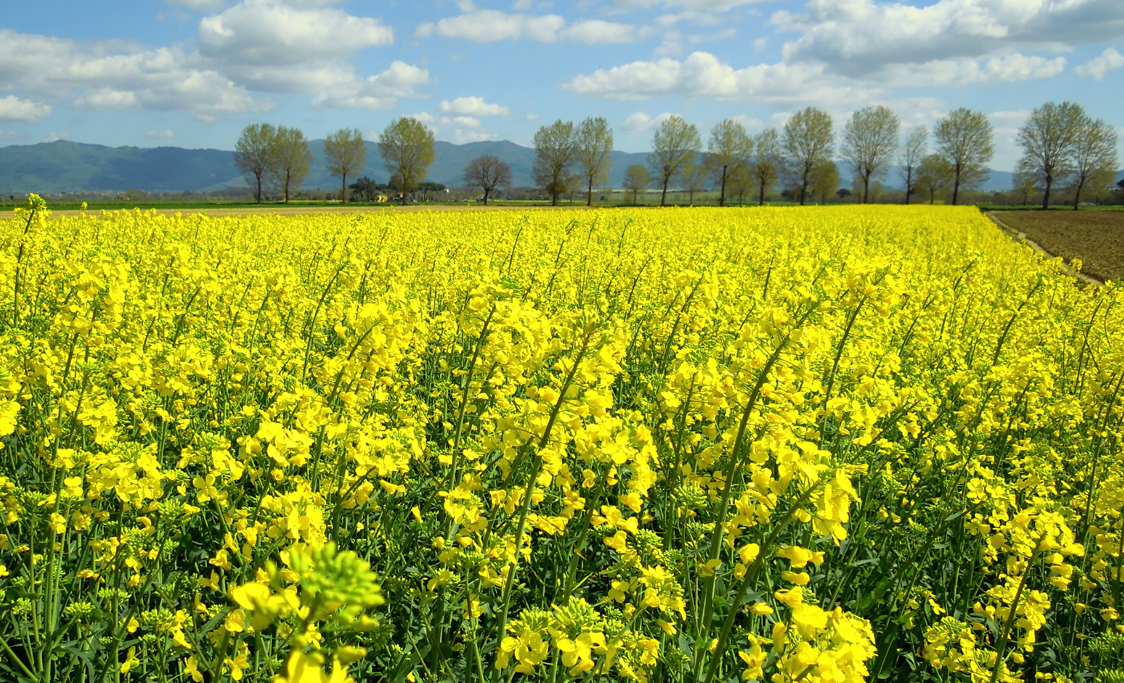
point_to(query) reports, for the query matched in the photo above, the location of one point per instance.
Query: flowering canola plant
(823, 445)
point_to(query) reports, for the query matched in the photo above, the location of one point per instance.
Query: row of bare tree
(1060, 142)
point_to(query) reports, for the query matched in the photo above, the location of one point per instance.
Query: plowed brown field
(1095, 237)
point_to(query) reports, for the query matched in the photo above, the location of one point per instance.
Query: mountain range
(73, 167)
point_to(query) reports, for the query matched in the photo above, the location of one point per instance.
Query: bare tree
(554, 157)
(487, 172)
(808, 140)
(1025, 179)
(915, 148)
(870, 140)
(729, 147)
(254, 152)
(965, 140)
(406, 146)
(345, 154)
(1094, 158)
(823, 181)
(767, 162)
(694, 180)
(934, 175)
(1049, 139)
(740, 182)
(594, 144)
(675, 144)
(291, 159)
(636, 180)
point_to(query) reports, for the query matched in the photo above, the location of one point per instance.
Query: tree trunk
(908, 182)
(955, 186)
(589, 193)
(343, 190)
(663, 195)
(722, 192)
(1077, 193)
(1046, 193)
(486, 192)
(258, 176)
(804, 185)
(866, 189)
(761, 197)
(286, 187)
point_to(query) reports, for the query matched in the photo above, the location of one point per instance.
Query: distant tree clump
(593, 145)
(934, 175)
(675, 144)
(870, 140)
(1049, 141)
(695, 177)
(487, 172)
(729, 148)
(554, 158)
(915, 149)
(823, 181)
(291, 159)
(808, 140)
(254, 152)
(636, 180)
(767, 162)
(1094, 158)
(406, 146)
(966, 142)
(345, 154)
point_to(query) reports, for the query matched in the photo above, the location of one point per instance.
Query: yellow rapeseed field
(823, 445)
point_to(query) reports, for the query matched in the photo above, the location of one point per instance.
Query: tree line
(1061, 143)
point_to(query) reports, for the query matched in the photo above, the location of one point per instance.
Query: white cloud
(473, 106)
(16, 110)
(952, 72)
(15, 135)
(199, 5)
(687, 5)
(596, 32)
(160, 134)
(489, 26)
(640, 121)
(462, 129)
(101, 73)
(55, 137)
(107, 98)
(269, 33)
(380, 91)
(532, 117)
(702, 75)
(858, 37)
(1109, 60)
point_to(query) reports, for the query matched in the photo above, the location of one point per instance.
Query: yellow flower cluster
(814, 445)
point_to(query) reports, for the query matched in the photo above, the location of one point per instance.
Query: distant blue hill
(64, 166)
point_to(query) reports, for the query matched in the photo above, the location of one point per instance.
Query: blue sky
(192, 73)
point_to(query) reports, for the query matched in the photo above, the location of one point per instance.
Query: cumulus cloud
(16, 110)
(702, 75)
(267, 32)
(596, 31)
(951, 72)
(380, 91)
(472, 106)
(115, 74)
(55, 137)
(640, 121)
(160, 134)
(461, 129)
(859, 37)
(490, 26)
(687, 5)
(199, 5)
(1109, 60)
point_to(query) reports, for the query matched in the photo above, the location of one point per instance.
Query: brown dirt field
(1095, 237)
